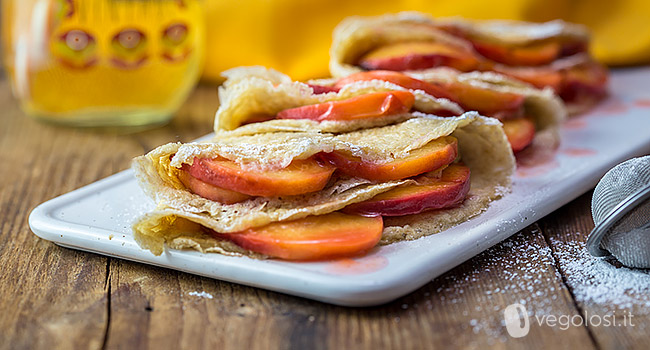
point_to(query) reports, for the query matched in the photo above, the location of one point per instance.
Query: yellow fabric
(294, 36)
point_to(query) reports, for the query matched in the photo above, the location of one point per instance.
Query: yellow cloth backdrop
(294, 36)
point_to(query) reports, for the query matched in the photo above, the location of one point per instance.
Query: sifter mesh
(621, 213)
(618, 184)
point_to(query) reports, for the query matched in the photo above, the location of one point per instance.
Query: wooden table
(53, 297)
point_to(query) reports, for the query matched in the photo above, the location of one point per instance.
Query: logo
(517, 321)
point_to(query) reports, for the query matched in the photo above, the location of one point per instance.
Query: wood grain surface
(57, 298)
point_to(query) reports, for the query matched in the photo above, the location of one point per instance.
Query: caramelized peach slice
(209, 191)
(429, 193)
(520, 132)
(373, 105)
(433, 155)
(416, 55)
(301, 176)
(312, 238)
(531, 55)
(396, 78)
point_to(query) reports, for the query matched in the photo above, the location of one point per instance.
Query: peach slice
(471, 98)
(531, 55)
(453, 29)
(257, 118)
(414, 55)
(209, 191)
(486, 101)
(323, 89)
(396, 78)
(373, 105)
(433, 155)
(520, 132)
(540, 77)
(301, 176)
(584, 81)
(587, 80)
(429, 193)
(571, 48)
(312, 238)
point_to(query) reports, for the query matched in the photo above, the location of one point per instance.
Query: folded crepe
(489, 93)
(552, 54)
(184, 219)
(542, 105)
(255, 93)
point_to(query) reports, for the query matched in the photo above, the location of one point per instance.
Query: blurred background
(134, 62)
(294, 36)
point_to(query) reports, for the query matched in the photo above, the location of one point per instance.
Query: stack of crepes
(315, 171)
(552, 54)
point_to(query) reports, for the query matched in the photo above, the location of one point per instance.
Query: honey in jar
(102, 62)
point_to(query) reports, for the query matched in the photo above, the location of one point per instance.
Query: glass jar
(102, 62)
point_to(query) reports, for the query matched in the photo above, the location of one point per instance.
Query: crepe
(541, 105)
(251, 92)
(356, 36)
(254, 93)
(181, 217)
(517, 33)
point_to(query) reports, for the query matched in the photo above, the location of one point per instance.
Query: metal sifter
(620, 207)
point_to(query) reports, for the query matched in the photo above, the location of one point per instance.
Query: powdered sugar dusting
(201, 295)
(522, 270)
(598, 281)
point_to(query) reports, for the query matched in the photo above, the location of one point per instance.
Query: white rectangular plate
(97, 218)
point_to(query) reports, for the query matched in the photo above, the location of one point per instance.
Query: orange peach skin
(321, 237)
(487, 102)
(433, 155)
(533, 55)
(373, 105)
(209, 191)
(301, 176)
(419, 55)
(396, 78)
(539, 77)
(587, 80)
(520, 132)
(471, 98)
